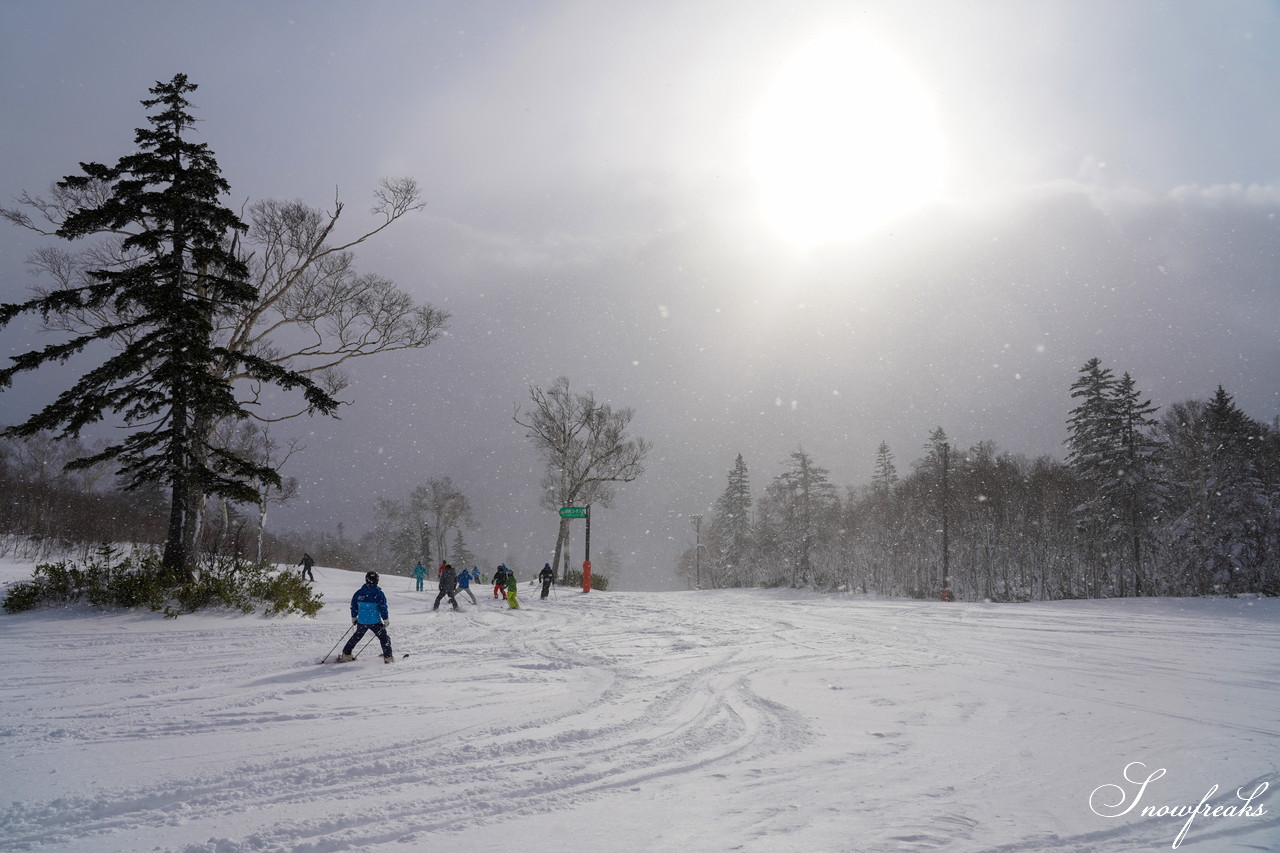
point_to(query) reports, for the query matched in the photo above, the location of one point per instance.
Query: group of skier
(369, 604)
(451, 582)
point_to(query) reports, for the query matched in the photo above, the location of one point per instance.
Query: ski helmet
(371, 577)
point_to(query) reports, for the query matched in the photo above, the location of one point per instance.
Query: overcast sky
(763, 225)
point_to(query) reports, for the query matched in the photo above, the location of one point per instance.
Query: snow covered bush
(143, 581)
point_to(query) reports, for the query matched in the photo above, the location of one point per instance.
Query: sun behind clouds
(845, 140)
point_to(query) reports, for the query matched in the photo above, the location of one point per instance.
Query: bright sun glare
(845, 140)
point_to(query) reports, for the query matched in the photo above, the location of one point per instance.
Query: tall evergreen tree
(1112, 449)
(1133, 491)
(461, 553)
(1092, 422)
(1092, 429)
(732, 524)
(807, 494)
(885, 475)
(939, 463)
(1223, 506)
(181, 274)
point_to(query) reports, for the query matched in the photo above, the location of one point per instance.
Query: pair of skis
(356, 656)
(325, 659)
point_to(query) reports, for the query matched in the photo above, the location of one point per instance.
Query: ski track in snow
(734, 720)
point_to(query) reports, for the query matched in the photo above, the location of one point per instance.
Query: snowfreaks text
(1100, 801)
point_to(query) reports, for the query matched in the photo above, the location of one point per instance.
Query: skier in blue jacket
(369, 613)
(464, 583)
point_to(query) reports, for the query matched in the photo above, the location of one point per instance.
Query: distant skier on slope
(420, 575)
(499, 581)
(464, 583)
(369, 613)
(548, 577)
(511, 590)
(448, 583)
(306, 564)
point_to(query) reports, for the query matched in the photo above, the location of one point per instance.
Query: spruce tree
(461, 553)
(1133, 490)
(1111, 448)
(182, 274)
(806, 490)
(732, 524)
(938, 464)
(1239, 508)
(1090, 453)
(885, 475)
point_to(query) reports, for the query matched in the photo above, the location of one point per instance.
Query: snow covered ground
(698, 721)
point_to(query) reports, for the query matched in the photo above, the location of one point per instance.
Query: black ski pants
(379, 631)
(442, 594)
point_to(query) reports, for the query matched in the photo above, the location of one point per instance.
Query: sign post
(582, 512)
(586, 556)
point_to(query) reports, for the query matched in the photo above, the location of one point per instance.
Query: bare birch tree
(584, 446)
(445, 508)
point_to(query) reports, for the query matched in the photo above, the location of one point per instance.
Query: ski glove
(355, 621)
(386, 621)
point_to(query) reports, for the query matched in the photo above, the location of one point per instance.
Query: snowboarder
(306, 564)
(369, 613)
(499, 581)
(420, 574)
(548, 577)
(464, 583)
(448, 583)
(511, 590)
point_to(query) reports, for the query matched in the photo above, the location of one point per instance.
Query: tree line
(1180, 502)
(55, 508)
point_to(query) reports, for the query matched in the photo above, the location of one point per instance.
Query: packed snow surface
(743, 720)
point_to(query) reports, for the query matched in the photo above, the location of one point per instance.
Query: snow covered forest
(1183, 501)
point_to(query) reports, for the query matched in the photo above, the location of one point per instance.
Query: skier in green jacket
(511, 590)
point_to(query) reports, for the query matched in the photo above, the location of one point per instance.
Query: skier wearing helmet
(369, 613)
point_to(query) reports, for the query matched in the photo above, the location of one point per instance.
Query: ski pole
(335, 645)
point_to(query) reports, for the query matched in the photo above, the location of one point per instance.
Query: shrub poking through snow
(142, 581)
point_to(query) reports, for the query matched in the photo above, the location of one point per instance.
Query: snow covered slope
(755, 721)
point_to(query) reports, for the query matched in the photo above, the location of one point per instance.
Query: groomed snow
(757, 721)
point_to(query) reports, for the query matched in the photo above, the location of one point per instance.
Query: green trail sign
(573, 512)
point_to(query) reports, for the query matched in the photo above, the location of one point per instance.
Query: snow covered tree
(1111, 448)
(936, 467)
(1222, 504)
(1134, 489)
(610, 566)
(731, 527)
(807, 497)
(444, 507)
(885, 474)
(400, 538)
(584, 446)
(255, 441)
(174, 277)
(460, 553)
